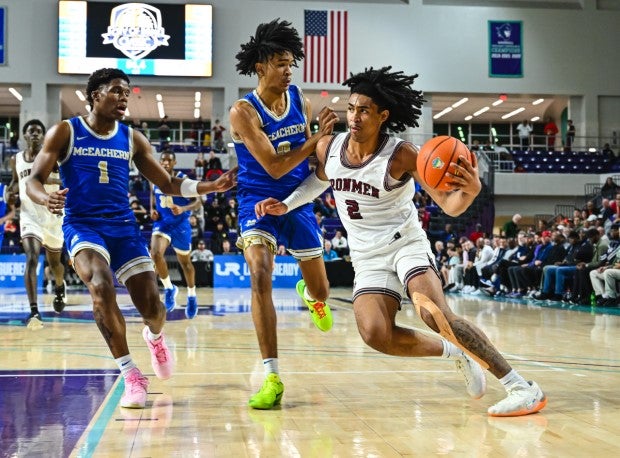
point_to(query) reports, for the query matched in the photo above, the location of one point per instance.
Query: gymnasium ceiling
(179, 104)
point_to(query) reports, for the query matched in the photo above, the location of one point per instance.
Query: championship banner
(12, 269)
(505, 49)
(231, 271)
(2, 35)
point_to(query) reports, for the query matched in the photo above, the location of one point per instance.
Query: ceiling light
(468, 117)
(512, 113)
(538, 102)
(460, 102)
(497, 102)
(442, 112)
(16, 94)
(535, 118)
(160, 108)
(196, 104)
(80, 95)
(335, 99)
(158, 97)
(197, 96)
(196, 113)
(480, 111)
(87, 108)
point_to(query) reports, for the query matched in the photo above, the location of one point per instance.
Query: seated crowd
(572, 260)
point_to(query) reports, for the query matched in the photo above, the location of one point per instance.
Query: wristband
(189, 188)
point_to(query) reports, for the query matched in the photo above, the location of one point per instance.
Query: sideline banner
(12, 268)
(231, 271)
(505, 49)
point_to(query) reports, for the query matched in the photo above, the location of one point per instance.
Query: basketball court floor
(60, 388)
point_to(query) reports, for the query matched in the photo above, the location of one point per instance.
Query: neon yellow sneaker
(319, 311)
(269, 395)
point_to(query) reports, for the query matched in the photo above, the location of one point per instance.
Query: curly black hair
(34, 122)
(271, 38)
(102, 76)
(392, 92)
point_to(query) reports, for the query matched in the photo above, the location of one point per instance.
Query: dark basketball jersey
(96, 171)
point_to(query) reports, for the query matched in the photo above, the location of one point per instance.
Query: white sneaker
(521, 400)
(475, 380)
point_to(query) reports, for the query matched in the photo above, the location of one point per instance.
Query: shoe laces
(136, 382)
(318, 308)
(159, 350)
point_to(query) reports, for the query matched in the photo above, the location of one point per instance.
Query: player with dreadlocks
(371, 174)
(271, 131)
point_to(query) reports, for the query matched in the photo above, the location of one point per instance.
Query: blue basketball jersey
(286, 132)
(163, 203)
(97, 167)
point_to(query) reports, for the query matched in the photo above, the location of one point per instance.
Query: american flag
(325, 44)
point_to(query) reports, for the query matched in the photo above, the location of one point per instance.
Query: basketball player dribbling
(271, 132)
(94, 154)
(371, 174)
(38, 227)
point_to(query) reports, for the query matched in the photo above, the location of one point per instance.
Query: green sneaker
(319, 311)
(269, 395)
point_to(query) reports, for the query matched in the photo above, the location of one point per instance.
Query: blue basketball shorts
(297, 230)
(119, 242)
(179, 235)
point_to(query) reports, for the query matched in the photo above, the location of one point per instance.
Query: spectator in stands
(328, 253)
(466, 265)
(228, 248)
(551, 130)
(199, 166)
(582, 286)
(230, 215)
(525, 278)
(477, 233)
(217, 238)
(281, 250)
(449, 233)
(7, 209)
(319, 219)
(607, 151)
(500, 245)
(340, 243)
(524, 130)
(11, 232)
(164, 132)
(599, 277)
(140, 213)
(217, 135)
(319, 206)
(214, 167)
(330, 204)
(198, 127)
(558, 276)
(424, 216)
(511, 228)
(197, 233)
(214, 213)
(570, 136)
(609, 188)
(475, 146)
(201, 253)
(591, 209)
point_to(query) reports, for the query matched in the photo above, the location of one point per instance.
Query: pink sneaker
(161, 359)
(135, 390)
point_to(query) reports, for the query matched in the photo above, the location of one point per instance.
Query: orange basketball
(435, 157)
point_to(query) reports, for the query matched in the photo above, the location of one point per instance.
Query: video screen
(138, 38)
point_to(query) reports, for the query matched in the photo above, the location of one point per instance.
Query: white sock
(191, 291)
(166, 282)
(450, 350)
(152, 336)
(271, 366)
(513, 378)
(125, 364)
(307, 295)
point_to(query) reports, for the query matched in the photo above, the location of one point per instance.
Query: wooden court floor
(60, 389)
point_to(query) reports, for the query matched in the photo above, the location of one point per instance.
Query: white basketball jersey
(374, 208)
(37, 212)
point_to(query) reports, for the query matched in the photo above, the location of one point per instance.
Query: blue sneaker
(191, 309)
(170, 295)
